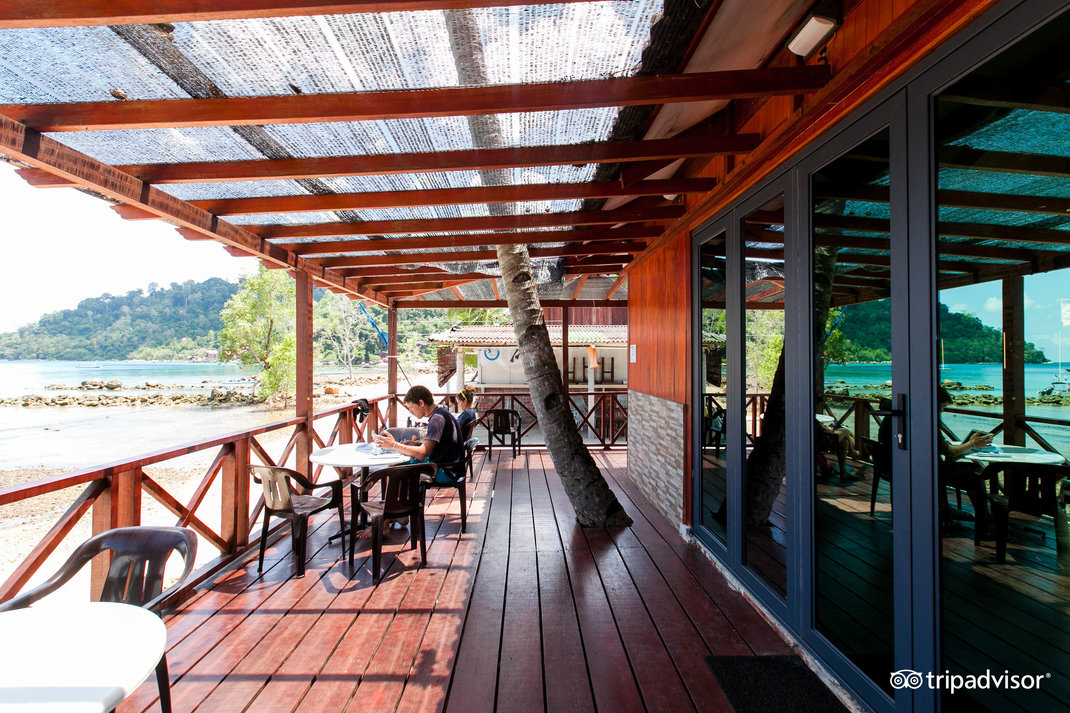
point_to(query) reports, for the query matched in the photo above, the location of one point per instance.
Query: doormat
(772, 684)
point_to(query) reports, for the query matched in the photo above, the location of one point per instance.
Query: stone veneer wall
(656, 451)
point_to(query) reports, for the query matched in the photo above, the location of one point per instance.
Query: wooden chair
(403, 496)
(135, 574)
(281, 500)
(462, 470)
(503, 423)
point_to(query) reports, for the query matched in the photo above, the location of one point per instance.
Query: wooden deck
(525, 612)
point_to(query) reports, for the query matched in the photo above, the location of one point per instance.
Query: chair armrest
(75, 562)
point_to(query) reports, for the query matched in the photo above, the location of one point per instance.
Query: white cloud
(994, 304)
(959, 307)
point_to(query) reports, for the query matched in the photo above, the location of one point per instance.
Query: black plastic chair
(462, 470)
(402, 488)
(881, 457)
(281, 500)
(503, 423)
(135, 575)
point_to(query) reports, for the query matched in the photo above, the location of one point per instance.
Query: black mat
(772, 684)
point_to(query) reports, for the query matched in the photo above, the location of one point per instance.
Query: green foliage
(966, 339)
(765, 341)
(343, 333)
(127, 327)
(258, 326)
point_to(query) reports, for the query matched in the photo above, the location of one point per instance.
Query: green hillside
(966, 339)
(173, 322)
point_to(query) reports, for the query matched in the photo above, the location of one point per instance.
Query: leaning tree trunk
(591, 498)
(594, 503)
(767, 462)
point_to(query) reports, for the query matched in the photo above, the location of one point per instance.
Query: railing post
(345, 426)
(305, 407)
(861, 428)
(118, 506)
(234, 520)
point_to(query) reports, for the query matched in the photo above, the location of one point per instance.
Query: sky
(62, 246)
(1043, 321)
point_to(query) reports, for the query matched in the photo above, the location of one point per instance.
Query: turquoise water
(1037, 377)
(31, 377)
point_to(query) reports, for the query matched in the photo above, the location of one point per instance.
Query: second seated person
(442, 445)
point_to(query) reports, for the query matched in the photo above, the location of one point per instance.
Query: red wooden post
(118, 506)
(861, 429)
(345, 426)
(564, 348)
(1013, 360)
(392, 365)
(234, 519)
(304, 370)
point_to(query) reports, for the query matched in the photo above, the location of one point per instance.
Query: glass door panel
(765, 494)
(1003, 315)
(852, 359)
(713, 372)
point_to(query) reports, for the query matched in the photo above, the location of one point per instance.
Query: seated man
(442, 445)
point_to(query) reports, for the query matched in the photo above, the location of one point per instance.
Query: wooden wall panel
(659, 302)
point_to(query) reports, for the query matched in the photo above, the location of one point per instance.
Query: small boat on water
(1060, 382)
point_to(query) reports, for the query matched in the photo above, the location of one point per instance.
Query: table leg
(364, 472)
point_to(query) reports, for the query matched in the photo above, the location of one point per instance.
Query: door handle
(899, 413)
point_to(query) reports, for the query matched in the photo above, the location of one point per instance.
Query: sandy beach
(24, 524)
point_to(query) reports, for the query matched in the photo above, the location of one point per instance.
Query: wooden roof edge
(30, 146)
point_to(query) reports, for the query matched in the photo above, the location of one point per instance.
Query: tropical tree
(342, 328)
(594, 503)
(259, 329)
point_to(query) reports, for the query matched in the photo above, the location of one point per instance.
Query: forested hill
(164, 323)
(966, 339)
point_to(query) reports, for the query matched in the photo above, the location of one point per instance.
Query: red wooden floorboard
(524, 612)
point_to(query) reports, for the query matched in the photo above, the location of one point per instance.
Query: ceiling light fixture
(816, 28)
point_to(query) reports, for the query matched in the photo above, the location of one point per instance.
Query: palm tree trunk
(767, 462)
(594, 503)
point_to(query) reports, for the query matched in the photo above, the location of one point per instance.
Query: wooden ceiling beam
(580, 282)
(417, 103)
(73, 13)
(438, 242)
(436, 161)
(43, 179)
(978, 231)
(607, 270)
(31, 147)
(494, 304)
(410, 287)
(428, 276)
(451, 196)
(474, 255)
(991, 92)
(446, 225)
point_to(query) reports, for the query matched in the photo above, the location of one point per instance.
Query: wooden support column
(234, 518)
(118, 506)
(304, 371)
(564, 347)
(392, 364)
(1013, 360)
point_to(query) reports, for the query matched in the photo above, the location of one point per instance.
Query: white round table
(81, 658)
(357, 455)
(1019, 455)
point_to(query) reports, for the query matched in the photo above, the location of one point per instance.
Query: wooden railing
(604, 414)
(113, 492)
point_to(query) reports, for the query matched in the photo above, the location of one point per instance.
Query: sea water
(73, 437)
(1037, 377)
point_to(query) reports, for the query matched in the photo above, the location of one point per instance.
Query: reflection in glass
(852, 377)
(1003, 248)
(765, 494)
(713, 372)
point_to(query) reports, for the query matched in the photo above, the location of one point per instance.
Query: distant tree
(342, 329)
(259, 328)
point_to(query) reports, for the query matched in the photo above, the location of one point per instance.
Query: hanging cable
(386, 342)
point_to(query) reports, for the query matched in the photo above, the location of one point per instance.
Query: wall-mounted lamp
(816, 28)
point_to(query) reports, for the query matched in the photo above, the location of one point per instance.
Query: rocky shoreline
(96, 393)
(876, 392)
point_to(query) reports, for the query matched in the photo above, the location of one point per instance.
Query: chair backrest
(503, 420)
(881, 455)
(467, 429)
(402, 488)
(135, 575)
(277, 490)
